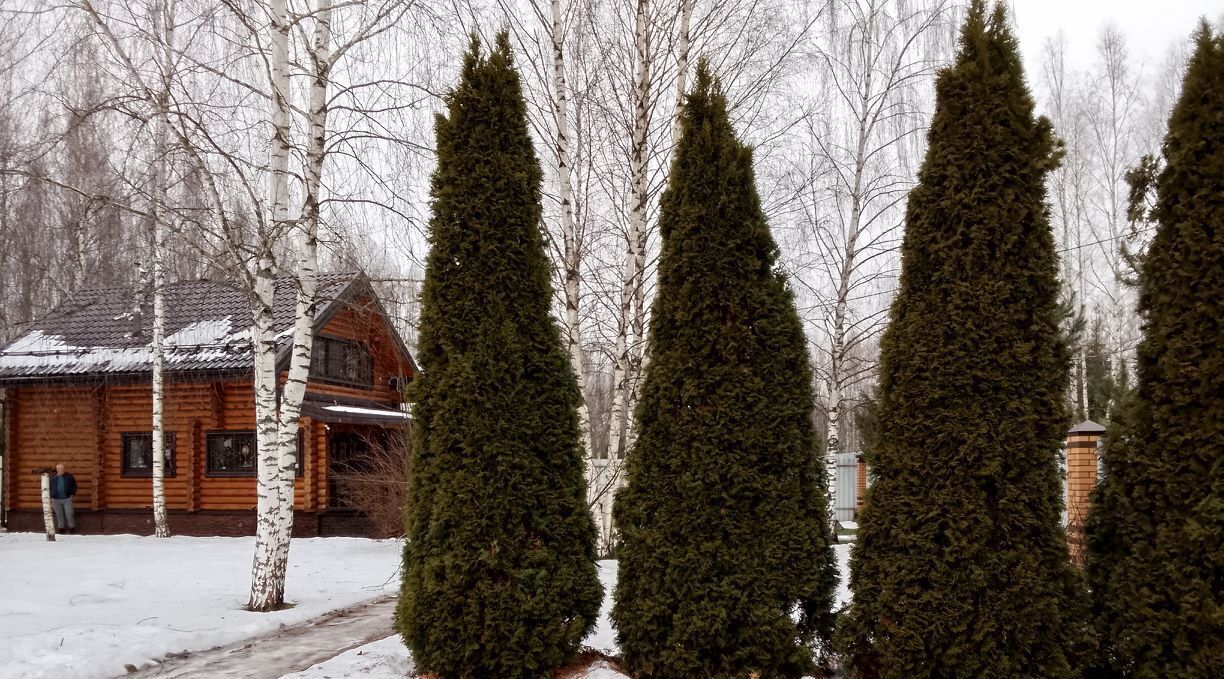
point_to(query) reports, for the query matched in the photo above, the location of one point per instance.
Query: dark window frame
(126, 471)
(211, 471)
(330, 361)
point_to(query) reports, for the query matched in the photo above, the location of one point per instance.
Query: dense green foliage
(1156, 532)
(867, 419)
(961, 566)
(726, 564)
(1108, 378)
(499, 563)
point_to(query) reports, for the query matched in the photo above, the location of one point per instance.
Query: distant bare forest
(120, 121)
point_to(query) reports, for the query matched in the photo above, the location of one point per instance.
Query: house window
(137, 456)
(232, 453)
(344, 361)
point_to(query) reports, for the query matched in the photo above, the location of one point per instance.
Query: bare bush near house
(377, 484)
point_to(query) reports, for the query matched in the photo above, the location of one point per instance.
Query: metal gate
(845, 497)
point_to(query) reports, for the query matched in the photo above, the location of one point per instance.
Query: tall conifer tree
(726, 565)
(499, 564)
(1156, 532)
(961, 566)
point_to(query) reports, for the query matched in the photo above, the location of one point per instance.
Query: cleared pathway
(291, 649)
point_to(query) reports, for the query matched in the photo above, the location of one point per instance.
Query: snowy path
(288, 650)
(87, 605)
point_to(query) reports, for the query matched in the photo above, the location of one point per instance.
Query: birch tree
(643, 91)
(572, 244)
(877, 61)
(273, 429)
(277, 427)
(163, 25)
(252, 228)
(572, 241)
(154, 90)
(1108, 116)
(627, 350)
(1112, 117)
(1068, 195)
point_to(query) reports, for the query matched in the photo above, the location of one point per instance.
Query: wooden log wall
(9, 472)
(84, 428)
(319, 449)
(52, 425)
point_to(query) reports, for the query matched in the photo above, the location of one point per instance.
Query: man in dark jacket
(63, 487)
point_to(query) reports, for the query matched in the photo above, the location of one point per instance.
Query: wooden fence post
(1082, 442)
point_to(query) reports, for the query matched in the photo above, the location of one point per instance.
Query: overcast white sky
(1150, 26)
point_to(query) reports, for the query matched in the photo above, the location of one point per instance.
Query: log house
(77, 389)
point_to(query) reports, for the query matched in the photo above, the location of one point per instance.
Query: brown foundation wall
(331, 523)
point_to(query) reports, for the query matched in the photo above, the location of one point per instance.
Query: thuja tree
(1106, 386)
(726, 564)
(1156, 532)
(961, 567)
(499, 562)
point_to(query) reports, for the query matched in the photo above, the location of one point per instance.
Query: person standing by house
(63, 487)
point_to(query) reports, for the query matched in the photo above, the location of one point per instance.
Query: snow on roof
(373, 412)
(110, 330)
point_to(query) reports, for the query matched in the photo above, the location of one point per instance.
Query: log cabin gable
(355, 325)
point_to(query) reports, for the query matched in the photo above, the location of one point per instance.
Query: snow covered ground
(84, 606)
(383, 659)
(389, 659)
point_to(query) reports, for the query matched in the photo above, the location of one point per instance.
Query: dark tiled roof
(207, 328)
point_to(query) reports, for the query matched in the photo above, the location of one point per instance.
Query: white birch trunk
(837, 360)
(606, 477)
(683, 46)
(48, 514)
(161, 526)
(1083, 383)
(1083, 354)
(833, 442)
(569, 232)
(629, 337)
(274, 489)
(274, 497)
(639, 357)
(80, 252)
(621, 368)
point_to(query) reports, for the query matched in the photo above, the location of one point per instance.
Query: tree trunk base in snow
(270, 607)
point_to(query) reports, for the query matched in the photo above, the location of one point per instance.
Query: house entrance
(348, 458)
